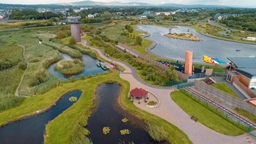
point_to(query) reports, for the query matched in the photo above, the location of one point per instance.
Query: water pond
(108, 113)
(31, 130)
(90, 67)
(175, 48)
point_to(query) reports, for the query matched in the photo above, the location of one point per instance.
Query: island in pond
(184, 36)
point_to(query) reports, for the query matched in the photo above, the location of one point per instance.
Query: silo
(188, 62)
(75, 27)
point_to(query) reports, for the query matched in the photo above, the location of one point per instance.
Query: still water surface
(31, 130)
(175, 48)
(109, 113)
(89, 68)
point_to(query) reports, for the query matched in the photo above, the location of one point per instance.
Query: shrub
(72, 40)
(157, 133)
(23, 65)
(8, 63)
(152, 103)
(40, 77)
(7, 102)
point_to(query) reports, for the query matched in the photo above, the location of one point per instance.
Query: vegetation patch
(73, 99)
(125, 120)
(125, 131)
(146, 71)
(151, 103)
(185, 36)
(106, 130)
(224, 87)
(207, 114)
(157, 133)
(69, 67)
(8, 102)
(246, 114)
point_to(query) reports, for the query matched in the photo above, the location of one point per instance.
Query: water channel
(108, 113)
(31, 130)
(90, 67)
(175, 48)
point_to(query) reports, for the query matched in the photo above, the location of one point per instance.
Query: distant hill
(193, 6)
(116, 3)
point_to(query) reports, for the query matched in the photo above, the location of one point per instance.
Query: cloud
(250, 3)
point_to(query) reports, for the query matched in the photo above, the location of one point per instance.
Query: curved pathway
(170, 111)
(17, 89)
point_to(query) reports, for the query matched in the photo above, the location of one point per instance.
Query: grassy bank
(207, 115)
(224, 87)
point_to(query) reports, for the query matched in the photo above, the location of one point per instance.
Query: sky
(239, 3)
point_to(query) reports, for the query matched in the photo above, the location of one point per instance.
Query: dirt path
(17, 89)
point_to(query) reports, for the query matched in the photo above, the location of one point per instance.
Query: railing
(153, 62)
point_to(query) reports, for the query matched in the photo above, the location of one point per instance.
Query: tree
(171, 74)
(72, 40)
(106, 15)
(138, 40)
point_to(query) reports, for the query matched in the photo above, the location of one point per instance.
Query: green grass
(224, 87)
(116, 36)
(66, 40)
(246, 114)
(38, 55)
(142, 49)
(87, 37)
(10, 77)
(113, 32)
(206, 116)
(97, 25)
(69, 67)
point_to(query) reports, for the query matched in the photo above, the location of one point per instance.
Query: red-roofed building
(138, 93)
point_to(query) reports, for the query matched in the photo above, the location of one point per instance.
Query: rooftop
(244, 62)
(247, 72)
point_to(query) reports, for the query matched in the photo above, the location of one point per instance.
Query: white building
(1, 17)
(90, 16)
(163, 13)
(251, 38)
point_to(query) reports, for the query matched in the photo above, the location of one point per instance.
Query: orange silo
(188, 62)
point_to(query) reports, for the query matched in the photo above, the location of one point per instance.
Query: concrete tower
(188, 62)
(75, 27)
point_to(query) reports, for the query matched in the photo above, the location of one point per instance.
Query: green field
(207, 115)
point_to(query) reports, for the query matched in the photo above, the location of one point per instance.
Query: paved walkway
(170, 111)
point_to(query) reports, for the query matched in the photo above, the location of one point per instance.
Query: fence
(224, 97)
(203, 75)
(171, 83)
(180, 86)
(153, 62)
(220, 110)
